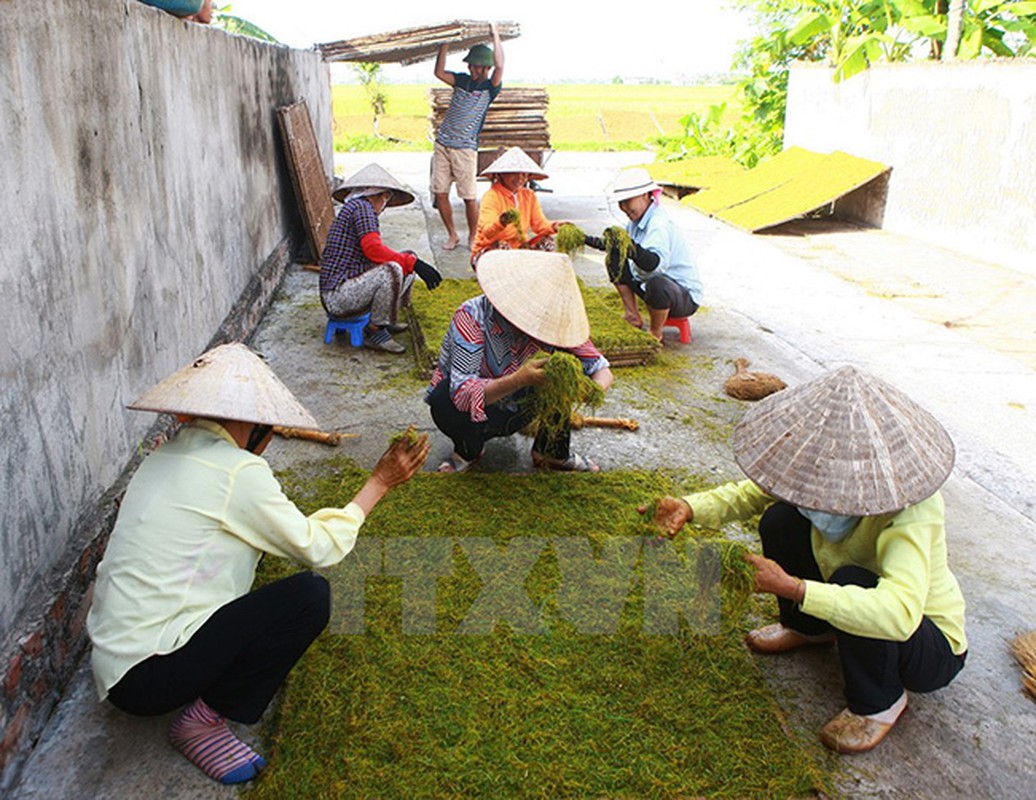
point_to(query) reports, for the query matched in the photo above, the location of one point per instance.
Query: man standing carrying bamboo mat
(455, 159)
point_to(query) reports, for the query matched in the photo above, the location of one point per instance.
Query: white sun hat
(227, 382)
(631, 183)
(537, 292)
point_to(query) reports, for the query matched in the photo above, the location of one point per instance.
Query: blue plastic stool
(354, 326)
(682, 324)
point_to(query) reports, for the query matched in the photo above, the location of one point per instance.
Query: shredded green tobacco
(409, 437)
(565, 389)
(618, 246)
(570, 239)
(617, 694)
(512, 217)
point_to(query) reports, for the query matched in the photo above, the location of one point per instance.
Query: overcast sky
(561, 40)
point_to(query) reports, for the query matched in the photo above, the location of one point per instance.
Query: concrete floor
(956, 335)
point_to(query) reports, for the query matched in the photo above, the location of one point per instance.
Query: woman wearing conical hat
(358, 271)
(531, 304)
(174, 620)
(845, 471)
(507, 198)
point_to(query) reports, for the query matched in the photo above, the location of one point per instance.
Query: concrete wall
(959, 137)
(146, 210)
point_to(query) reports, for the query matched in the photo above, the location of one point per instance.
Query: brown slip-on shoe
(777, 638)
(850, 733)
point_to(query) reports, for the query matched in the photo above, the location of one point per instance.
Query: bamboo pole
(620, 423)
(332, 438)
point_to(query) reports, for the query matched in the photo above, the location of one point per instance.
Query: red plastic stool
(352, 325)
(682, 324)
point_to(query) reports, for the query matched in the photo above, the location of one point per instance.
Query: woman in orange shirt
(532, 231)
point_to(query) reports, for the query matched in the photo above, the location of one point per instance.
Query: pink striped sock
(202, 735)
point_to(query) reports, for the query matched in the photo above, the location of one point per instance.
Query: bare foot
(633, 319)
(451, 242)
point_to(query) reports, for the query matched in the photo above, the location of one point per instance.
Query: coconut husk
(844, 443)
(745, 385)
(1024, 648)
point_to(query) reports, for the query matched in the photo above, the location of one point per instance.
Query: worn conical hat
(514, 159)
(536, 292)
(374, 177)
(227, 382)
(845, 443)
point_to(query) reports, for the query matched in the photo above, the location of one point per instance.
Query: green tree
(370, 78)
(852, 34)
(221, 18)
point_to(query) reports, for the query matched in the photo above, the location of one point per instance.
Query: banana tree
(858, 33)
(221, 18)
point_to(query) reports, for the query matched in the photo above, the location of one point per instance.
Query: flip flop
(574, 463)
(454, 463)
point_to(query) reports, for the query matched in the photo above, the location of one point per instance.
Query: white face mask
(833, 527)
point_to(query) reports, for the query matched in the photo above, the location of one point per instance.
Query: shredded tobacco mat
(581, 680)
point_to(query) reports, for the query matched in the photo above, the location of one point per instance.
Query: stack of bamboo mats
(411, 45)
(517, 118)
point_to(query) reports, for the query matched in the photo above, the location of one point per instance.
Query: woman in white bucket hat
(661, 271)
(845, 470)
(174, 620)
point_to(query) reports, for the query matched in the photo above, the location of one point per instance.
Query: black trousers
(470, 437)
(236, 661)
(660, 292)
(875, 671)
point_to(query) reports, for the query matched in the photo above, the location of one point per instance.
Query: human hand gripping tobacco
(563, 388)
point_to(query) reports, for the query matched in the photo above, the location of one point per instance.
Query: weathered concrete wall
(146, 210)
(959, 138)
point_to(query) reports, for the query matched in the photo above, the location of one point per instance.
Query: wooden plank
(307, 173)
(411, 45)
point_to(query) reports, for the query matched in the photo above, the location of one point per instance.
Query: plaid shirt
(481, 345)
(343, 257)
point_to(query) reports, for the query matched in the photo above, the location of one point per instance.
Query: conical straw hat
(845, 443)
(375, 177)
(536, 292)
(227, 382)
(514, 159)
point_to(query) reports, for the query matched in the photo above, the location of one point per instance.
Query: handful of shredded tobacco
(570, 239)
(409, 437)
(618, 246)
(512, 217)
(550, 404)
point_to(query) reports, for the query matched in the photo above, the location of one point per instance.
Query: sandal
(457, 464)
(574, 463)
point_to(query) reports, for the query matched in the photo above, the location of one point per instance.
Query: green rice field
(580, 116)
